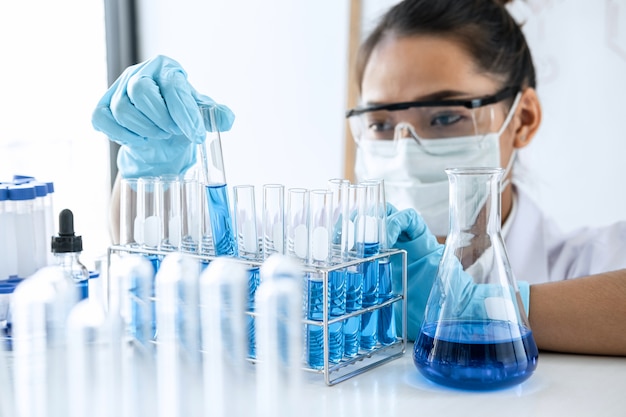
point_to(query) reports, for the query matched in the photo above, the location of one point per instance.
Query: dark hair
(484, 27)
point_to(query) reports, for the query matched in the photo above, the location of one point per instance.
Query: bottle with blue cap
(67, 247)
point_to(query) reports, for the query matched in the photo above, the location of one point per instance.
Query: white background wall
(282, 66)
(53, 72)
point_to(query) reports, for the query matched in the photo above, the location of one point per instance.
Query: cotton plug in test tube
(279, 372)
(273, 219)
(41, 305)
(94, 360)
(223, 290)
(178, 358)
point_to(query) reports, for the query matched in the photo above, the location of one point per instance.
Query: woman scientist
(424, 55)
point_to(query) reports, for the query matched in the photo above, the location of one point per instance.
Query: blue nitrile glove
(152, 111)
(407, 230)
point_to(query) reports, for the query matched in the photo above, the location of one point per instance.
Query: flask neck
(475, 203)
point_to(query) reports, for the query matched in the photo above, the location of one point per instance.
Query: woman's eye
(445, 119)
(380, 126)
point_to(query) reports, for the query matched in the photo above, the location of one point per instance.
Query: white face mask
(414, 176)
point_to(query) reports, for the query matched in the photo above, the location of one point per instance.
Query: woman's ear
(529, 118)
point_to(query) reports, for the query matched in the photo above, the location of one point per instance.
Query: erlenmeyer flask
(475, 334)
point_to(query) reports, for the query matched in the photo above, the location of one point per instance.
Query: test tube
(191, 215)
(130, 285)
(178, 358)
(223, 288)
(279, 375)
(149, 230)
(386, 318)
(273, 219)
(214, 178)
(248, 248)
(169, 198)
(368, 244)
(297, 223)
(41, 305)
(94, 359)
(354, 273)
(129, 222)
(320, 229)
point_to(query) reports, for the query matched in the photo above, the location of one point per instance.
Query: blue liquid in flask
(221, 223)
(476, 355)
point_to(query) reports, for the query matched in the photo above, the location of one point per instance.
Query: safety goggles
(439, 119)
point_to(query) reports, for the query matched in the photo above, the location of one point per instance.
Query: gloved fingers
(391, 209)
(404, 225)
(103, 121)
(223, 114)
(117, 117)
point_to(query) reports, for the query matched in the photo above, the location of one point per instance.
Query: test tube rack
(348, 367)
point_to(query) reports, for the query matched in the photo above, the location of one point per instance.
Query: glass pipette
(214, 177)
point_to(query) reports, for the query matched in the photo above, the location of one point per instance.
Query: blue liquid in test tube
(212, 162)
(369, 321)
(354, 300)
(386, 321)
(221, 223)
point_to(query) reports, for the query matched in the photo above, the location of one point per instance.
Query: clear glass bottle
(475, 334)
(67, 247)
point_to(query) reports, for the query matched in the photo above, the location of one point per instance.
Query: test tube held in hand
(214, 178)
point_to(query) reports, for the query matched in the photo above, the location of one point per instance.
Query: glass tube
(297, 223)
(178, 358)
(128, 211)
(215, 186)
(94, 359)
(223, 288)
(273, 219)
(191, 212)
(279, 375)
(354, 273)
(132, 298)
(148, 229)
(368, 244)
(41, 305)
(170, 200)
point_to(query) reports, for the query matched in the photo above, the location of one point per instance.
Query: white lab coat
(539, 252)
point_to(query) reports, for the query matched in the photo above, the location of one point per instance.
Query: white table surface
(562, 385)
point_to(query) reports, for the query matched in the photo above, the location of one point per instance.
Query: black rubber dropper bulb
(66, 240)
